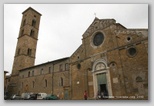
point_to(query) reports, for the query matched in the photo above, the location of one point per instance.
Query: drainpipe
(87, 81)
(121, 63)
(70, 79)
(52, 77)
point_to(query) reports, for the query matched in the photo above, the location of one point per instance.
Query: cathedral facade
(111, 59)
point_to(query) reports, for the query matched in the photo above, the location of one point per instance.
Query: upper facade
(111, 58)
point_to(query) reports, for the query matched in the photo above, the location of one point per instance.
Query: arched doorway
(101, 78)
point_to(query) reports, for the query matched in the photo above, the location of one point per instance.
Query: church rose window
(98, 39)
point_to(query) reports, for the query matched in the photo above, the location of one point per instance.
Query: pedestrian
(85, 95)
(102, 95)
(98, 95)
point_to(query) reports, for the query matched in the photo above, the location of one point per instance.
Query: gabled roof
(98, 24)
(30, 8)
(77, 50)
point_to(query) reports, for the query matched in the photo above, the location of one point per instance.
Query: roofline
(76, 50)
(138, 29)
(30, 8)
(45, 63)
(121, 25)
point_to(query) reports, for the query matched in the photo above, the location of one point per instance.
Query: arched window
(29, 51)
(33, 23)
(33, 84)
(18, 51)
(139, 79)
(22, 85)
(33, 73)
(61, 81)
(24, 22)
(32, 33)
(49, 70)
(41, 71)
(22, 32)
(66, 66)
(46, 84)
(26, 88)
(29, 74)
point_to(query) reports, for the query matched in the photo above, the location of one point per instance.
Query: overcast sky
(62, 26)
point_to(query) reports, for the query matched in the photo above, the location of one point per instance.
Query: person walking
(85, 95)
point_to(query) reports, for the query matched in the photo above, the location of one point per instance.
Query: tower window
(24, 22)
(22, 32)
(29, 52)
(33, 23)
(32, 33)
(18, 52)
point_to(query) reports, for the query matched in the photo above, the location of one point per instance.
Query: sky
(62, 26)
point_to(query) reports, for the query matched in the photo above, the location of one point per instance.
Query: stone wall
(47, 78)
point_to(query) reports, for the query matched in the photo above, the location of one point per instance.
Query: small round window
(128, 38)
(98, 39)
(132, 51)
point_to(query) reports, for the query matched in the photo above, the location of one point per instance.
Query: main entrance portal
(102, 83)
(101, 78)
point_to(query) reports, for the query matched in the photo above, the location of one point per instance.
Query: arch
(46, 83)
(101, 78)
(29, 74)
(32, 33)
(139, 79)
(24, 22)
(33, 84)
(33, 23)
(61, 81)
(99, 61)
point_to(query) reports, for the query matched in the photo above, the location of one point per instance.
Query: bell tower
(27, 40)
(25, 48)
